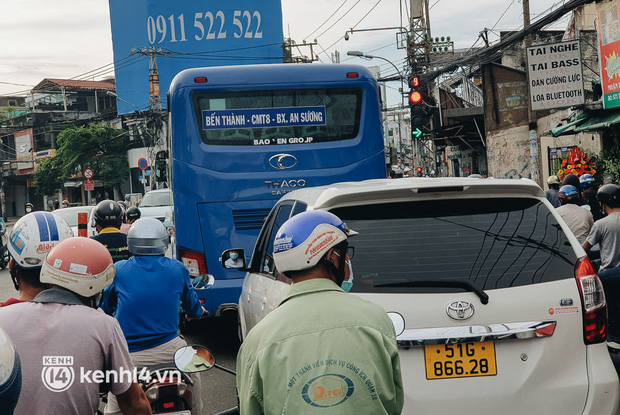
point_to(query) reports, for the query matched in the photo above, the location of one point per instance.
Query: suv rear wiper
(466, 285)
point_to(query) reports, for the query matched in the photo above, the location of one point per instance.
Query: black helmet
(133, 213)
(609, 195)
(573, 180)
(108, 213)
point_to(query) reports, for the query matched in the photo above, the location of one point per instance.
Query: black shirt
(115, 242)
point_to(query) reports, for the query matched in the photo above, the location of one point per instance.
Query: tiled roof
(73, 84)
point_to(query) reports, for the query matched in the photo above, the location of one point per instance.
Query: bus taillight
(194, 261)
(353, 75)
(200, 80)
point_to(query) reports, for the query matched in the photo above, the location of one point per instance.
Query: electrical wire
(334, 24)
(326, 20)
(366, 15)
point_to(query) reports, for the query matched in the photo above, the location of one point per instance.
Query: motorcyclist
(29, 207)
(317, 321)
(578, 219)
(606, 234)
(108, 218)
(32, 237)
(145, 297)
(589, 187)
(552, 193)
(132, 215)
(62, 321)
(11, 376)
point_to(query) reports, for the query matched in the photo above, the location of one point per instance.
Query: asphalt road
(219, 336)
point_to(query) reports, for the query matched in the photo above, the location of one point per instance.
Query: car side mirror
(193, 359)
(233, 259)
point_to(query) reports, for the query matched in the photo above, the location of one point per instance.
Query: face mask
(348, 284)
(28, 210)
(234, 256)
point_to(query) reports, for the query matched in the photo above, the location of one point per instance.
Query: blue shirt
(145, 296)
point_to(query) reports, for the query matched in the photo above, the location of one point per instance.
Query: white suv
(496, 306)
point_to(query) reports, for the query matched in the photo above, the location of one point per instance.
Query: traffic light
(419, 113)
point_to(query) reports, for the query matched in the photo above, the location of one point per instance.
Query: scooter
(168, 389)
(194, 359)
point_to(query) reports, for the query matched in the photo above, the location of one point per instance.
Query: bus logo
(282, 161)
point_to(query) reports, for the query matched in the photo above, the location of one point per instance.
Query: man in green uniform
(322, 350)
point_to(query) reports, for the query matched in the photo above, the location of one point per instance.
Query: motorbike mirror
(193, 359)
(203, 282)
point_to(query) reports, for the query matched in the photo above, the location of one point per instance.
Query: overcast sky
(70, 38)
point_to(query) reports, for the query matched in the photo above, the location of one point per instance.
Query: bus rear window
(278, 116)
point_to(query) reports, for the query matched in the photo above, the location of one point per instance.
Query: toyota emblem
(282, 161)
(460, 310)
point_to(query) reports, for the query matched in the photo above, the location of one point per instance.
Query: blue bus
(242, 136)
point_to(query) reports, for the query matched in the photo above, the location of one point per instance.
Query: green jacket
(322, 351)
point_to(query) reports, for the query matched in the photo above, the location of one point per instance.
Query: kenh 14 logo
(57, 373)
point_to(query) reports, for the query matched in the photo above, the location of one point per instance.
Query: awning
(569, 128)
(600, 120)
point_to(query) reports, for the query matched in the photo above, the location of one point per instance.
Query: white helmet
(81, 265)
(302, 240)
(147, 236)
(34, 235)
(11, 375)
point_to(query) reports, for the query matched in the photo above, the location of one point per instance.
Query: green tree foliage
(102, 148)
(608, 162)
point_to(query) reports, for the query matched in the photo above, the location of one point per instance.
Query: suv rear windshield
(490, 243)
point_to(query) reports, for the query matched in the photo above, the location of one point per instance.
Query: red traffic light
(419, 169)
(415, 97)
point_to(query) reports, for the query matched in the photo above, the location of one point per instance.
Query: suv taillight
(195, 262)
(592, 301)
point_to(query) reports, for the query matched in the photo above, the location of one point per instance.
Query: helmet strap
(338, 271)
(13, 273)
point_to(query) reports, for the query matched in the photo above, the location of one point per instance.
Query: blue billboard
(177, 35)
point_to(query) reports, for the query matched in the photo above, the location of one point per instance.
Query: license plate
(460, 360)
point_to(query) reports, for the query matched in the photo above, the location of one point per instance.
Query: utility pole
(531, 115)
(287, 54)
(151, 52)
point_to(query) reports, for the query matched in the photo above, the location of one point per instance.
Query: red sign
(88, 173)
(609, 52)
(143, 164)
(89, 185)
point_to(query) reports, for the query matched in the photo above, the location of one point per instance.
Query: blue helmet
(304, 239)
(586, 180)
(11, 376)
(568, 191)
